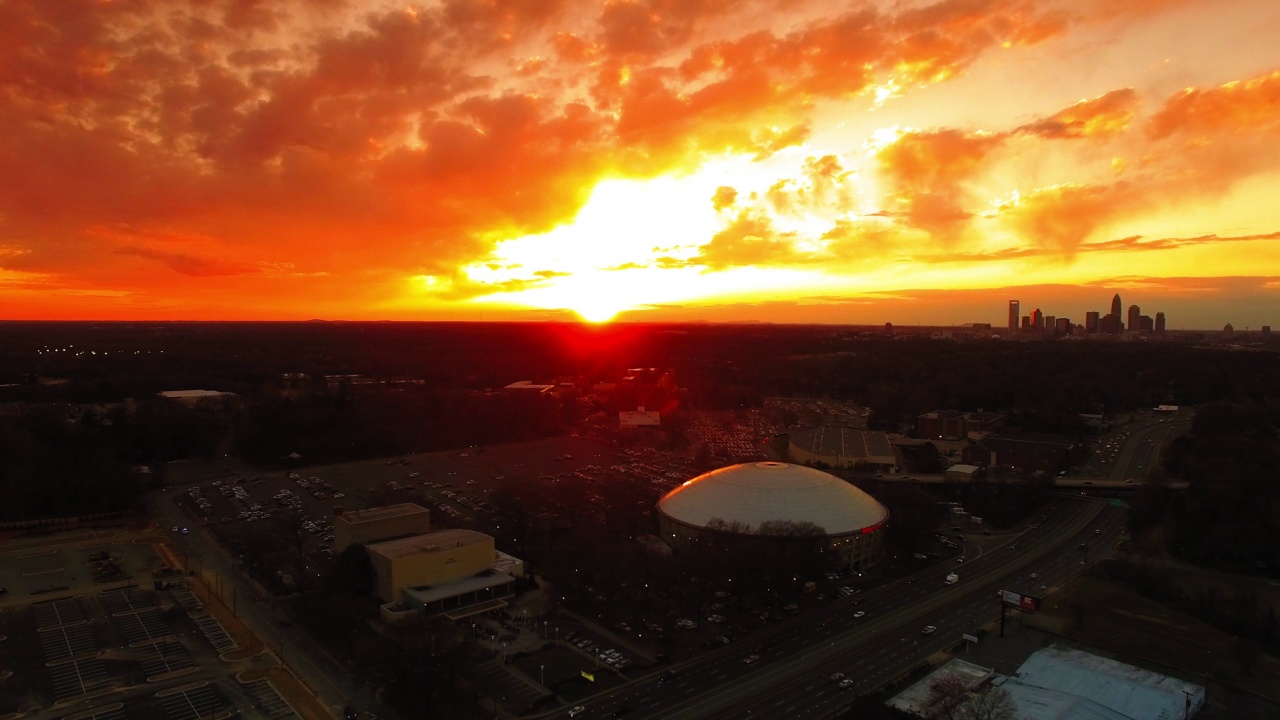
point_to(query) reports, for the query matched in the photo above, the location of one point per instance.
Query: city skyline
(778, 161)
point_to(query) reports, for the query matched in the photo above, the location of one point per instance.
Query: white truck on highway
(952, 579)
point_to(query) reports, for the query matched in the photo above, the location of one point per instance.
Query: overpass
(1061, 483)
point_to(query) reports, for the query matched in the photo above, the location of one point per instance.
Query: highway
(791, 678)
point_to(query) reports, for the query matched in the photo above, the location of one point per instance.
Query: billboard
(1025, 603)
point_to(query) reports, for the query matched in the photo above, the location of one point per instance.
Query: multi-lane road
(295, 649)
(791, 675)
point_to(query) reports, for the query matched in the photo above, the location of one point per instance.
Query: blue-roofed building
(1060, 683)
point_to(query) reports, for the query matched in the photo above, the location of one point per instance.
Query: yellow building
(380, 523)
(430, 561)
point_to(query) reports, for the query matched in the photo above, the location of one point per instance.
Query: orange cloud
(1234, 107)
(1127, 244)
(927, 173)
(1061, 217)
(724, 197)
(749, 240)
(1098, 117)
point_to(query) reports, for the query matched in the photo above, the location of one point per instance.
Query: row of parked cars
(605, 655)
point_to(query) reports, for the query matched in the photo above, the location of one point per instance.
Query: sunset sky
(717, 160)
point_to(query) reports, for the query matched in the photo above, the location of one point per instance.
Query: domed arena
(765, 499)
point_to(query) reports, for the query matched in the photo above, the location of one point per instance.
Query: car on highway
(928, 630)
(577, 710)
(846, 683)
(750, 659)
(1034, 576)
(837, 677)
(859, 614)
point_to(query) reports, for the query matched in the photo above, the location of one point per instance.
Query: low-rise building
(842, 447)
(448, 571)
(378, 524)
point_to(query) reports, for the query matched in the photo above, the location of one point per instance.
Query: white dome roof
(754, 493)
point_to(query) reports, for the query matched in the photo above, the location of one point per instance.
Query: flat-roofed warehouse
(379, 523)
(842, 447)
(752, 501)
(442, 560)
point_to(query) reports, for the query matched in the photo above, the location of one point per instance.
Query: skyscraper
(1113, 323)
(1014, 314)
(1159, 323)
(1135, 315)
(1091, 322)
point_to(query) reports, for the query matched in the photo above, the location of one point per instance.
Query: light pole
(542, 675)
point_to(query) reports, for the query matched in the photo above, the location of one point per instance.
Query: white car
(928, 630)
(859, 614)
(577, 710)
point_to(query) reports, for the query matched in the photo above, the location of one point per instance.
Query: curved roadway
(791, 677)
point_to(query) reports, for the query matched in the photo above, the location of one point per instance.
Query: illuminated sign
(1026, 603)
(589, 676)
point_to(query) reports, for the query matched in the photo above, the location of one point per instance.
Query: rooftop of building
(1062, 682)
(427, 594)
(184, 394)
(757, 493)
(845, 442)
(376, 514)
(429, 543)
(919, 699)
(1026, 439)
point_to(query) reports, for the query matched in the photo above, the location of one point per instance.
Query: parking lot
(215, 633)
(191, 702)
(268, 699)
(77, 677)
(166, 657)
(65, 641)
(143, 626)
(78, 561)
(130, 599)
(496, 682)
